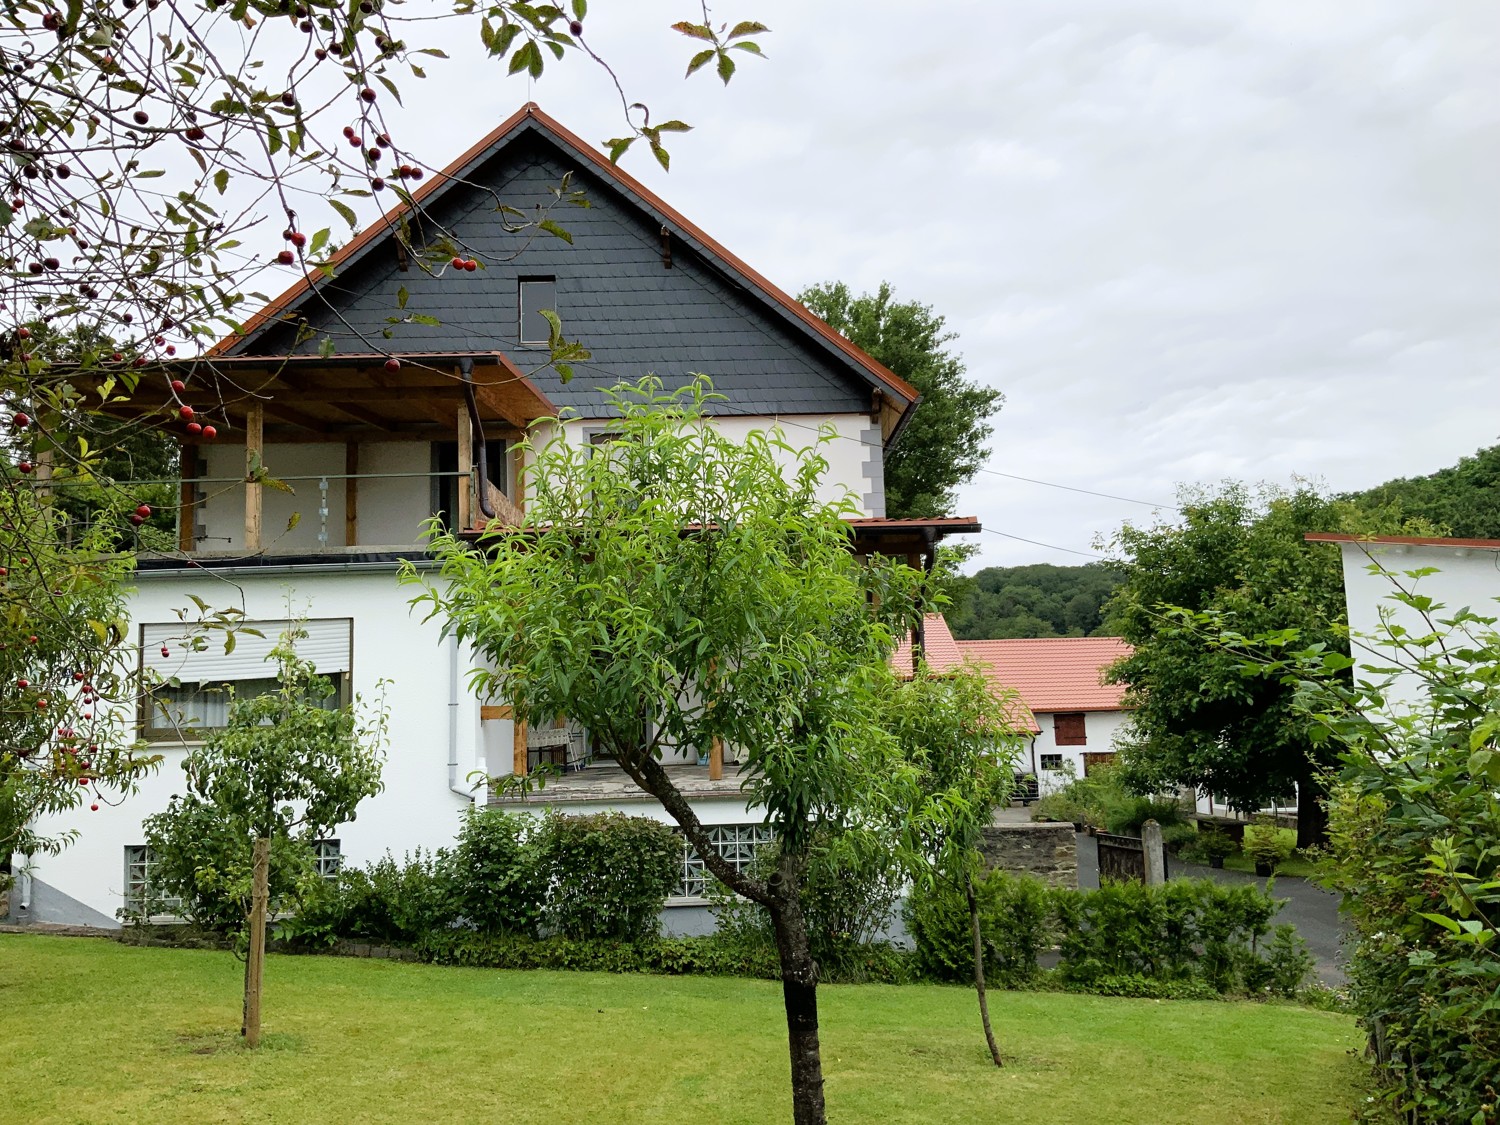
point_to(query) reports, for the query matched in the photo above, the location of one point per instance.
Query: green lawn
(92, 1031)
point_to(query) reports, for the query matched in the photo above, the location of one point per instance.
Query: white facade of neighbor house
(371, 452)
(1465, 575)
(1053, 762)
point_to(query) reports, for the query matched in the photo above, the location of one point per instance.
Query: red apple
(22, 420)
(393, 364)
(298, 239)
(25, 466)
(144, 511)
(178, 386)
(471, 265)
(285, 258)
(209, 433)
(186, 412)
(194, 428)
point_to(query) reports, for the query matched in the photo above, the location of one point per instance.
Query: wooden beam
(518, 479)
(493, 711)
(716, 760)
(518, 749)
(293, 417)
(351, 493)
(254, 449)
(465, 467)
(187, 505)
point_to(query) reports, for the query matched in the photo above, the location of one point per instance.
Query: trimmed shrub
(609, 874)
(386, 903)
(1015, 924)
(496, 873)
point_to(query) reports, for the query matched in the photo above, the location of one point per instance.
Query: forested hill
(1043, 600)
(1040, 600)
(1465, 499)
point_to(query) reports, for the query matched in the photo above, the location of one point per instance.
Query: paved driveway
(1314, 911)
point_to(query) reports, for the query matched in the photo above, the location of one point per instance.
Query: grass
(93, 1031)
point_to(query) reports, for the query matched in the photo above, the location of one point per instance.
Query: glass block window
(329, 857)
(138, 865)
(735, 842)
(1052, 762)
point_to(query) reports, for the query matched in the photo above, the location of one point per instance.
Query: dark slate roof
(708, 313)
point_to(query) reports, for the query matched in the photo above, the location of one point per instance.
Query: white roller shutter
(327, 646)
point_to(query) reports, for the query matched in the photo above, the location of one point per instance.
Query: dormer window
(536, 294)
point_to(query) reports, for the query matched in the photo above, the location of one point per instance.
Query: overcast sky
(1189, 239)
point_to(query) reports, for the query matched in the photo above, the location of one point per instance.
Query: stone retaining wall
(1047, 851)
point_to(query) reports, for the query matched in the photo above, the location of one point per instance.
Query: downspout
(476, 428)
(454, 782)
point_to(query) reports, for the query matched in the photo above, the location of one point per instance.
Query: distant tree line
(1040, 600)
(1463, 499)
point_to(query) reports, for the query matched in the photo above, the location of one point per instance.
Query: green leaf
(698, 60)
(319, 240)
(674, 126)
(725, 67)
(747, 27)
(617, 148)
(423, 318)
(344, 210)
(580, 9)
(221, 180)
(553, 229)
(6, 214)
(391, 86)
(694, 30)
(402, 296)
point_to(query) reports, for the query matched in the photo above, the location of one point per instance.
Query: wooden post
(716, 760)
(255, 964)
(351, 494)
(518, 479)
(1156, 856)
(255, 416)
(518, 747)
(187, 503)
(465, 468)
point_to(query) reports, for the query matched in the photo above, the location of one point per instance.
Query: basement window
(1052, 763)
(536, 294)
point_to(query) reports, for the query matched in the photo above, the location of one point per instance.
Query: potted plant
(1214, 847)
(1268, 845)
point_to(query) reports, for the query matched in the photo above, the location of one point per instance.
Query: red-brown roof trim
(622, 179)
(1401, 540)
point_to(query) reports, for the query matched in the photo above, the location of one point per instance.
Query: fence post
(1156, 856)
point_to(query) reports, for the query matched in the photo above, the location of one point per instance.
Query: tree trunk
(799, 991)
(255, 962)
(984, 1000)
(1312, 817)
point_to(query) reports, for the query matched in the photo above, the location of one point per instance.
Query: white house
(1456, 574)
(1071, 714)
(372, 448)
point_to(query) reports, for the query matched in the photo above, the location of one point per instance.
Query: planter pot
(703, 759)
(1216, 861)
(1264, 870)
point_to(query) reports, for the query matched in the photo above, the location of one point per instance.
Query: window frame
(1057, 765)
(522, 309)
(148, 715)
(140, 856)
(328, 857)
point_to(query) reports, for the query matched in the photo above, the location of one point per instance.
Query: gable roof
(944, 654)
(1054, 673)
(897, 398)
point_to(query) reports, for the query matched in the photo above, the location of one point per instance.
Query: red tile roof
(944, 654)
(1053, 673)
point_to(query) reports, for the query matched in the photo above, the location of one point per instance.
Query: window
(735, 842)
(139, 862)
(1069, 730)
(1052, 762)
(192, 693)
(536, 294)
(329, 858)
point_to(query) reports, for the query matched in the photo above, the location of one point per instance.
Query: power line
(1085, 491)
(1049, 546)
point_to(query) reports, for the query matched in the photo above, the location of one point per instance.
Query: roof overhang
(309, 398)
(1403, 541)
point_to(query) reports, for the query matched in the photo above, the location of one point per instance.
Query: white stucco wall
(1100, 730)
(855, 456)
(417, 808)
(1464, 578)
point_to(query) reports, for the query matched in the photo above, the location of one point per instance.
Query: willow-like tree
(673, 588)
(960, 738)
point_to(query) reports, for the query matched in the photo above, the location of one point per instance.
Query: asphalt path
(1314, 911)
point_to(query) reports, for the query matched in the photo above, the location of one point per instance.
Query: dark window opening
(445, 482)
(536, 294)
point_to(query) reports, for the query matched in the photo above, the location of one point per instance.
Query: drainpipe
(455, 783)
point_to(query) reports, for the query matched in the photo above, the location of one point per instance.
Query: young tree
(962, 742)
(943, 445)
(676, 588)
(143, 145)
(1196, 720)
(286, 766)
